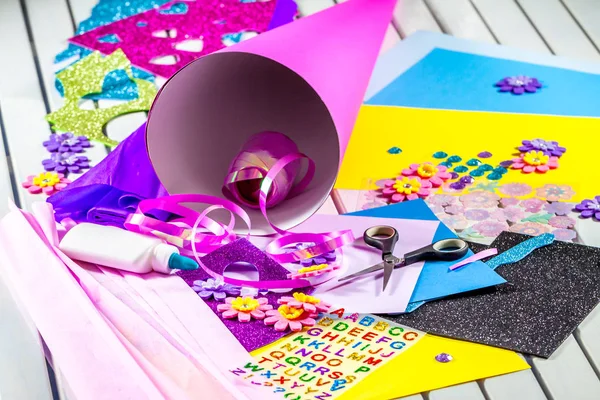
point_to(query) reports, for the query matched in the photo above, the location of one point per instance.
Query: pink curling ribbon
(183, 232)
(475, 257)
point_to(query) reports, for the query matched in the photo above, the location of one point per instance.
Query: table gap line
(11, 171)
(586, 353)
(538, 377)
(534, 27)
(489, 28)
(482, 387)
(435, 18)
(588, 37)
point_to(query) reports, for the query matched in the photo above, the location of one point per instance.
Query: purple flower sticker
(490, 228)
(519, 84)
(66, 143)
(509, 201)
(66, 162)
(215, 288)
(589, 208)
(562, 222)
(549, 148)
(532, 205)
(564, 234)
(477, 214)
(514, 214)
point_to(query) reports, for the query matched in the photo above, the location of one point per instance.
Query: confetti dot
(486, 167)
(477, 172)
(440, 154)
(473, 162)
(446, 164)
(494, 176)
(395, 150)
(461, 168)
(484, 154)
(454, 159)
(443, 358)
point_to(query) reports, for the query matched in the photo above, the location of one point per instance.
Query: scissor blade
(387, 273)
(365, 271)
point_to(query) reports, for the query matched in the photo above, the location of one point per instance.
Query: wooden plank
(518, 385)
(509, 25)
(587, 335)
(307, 7)
(587, 14)
(460, 19)
(567, 374)
(559, 30)
(466, 391)
(413, 15)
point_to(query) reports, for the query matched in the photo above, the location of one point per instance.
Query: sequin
(461, 169)
(476, 173)
(473, 162)
(446, 164)
(484, 154)
(454, 159)
(443, 358)
(494, 176)
(467, 180)
(440, 154)
(486, 167)
(196, 21)
(395, 150)
(85, 77)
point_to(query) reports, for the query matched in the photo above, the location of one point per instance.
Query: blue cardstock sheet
(423, 74)
(436, 280)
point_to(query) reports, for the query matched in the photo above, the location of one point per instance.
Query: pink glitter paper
(156, 33)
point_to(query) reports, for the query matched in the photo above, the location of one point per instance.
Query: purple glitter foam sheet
(254, 334)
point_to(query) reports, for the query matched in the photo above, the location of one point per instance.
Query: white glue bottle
(117, 248)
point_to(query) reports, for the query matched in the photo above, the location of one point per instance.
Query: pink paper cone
(305, 79)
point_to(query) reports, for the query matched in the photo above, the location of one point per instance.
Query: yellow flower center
(426, 170)
(46, 179)
(407, 186)
(290, 312)
(304, 298)
(245, 304)
(313, 268)
(536, 158)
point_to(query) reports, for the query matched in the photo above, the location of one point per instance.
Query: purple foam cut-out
(254, 334)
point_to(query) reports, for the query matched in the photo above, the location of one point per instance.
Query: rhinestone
(473, 162)
(443, 358)
(440, 154)
(454, 159)
(461, 168)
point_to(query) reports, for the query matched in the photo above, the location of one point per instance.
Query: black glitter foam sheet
(549, 294)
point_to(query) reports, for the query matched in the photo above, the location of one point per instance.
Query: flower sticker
(314, 270)
(549, 148)
(513, 214)
(244, 308)
(46, 182)
(552, 192)
(455, 222)
(286, 316)
(535, 161)
(435, 175)
(406, 189)
(518, 84)
(532, 205)
(480, 199)
(477, 214)
(564, 234)
(558, 208)
(324, 258)
(562, 222)
(215, 288)
(66, 143)
(66, 163)
(442, 200)
(487, 187)
(307, 303)
(490, 228)
(509, 202)
(530, 228)
(516, 189)
(589, 208)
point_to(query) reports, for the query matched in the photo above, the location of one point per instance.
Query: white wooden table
(33, 31)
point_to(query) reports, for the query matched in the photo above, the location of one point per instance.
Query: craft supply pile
(194, 258)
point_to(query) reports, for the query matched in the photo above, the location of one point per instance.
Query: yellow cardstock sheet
(366, 357)
(419, 133)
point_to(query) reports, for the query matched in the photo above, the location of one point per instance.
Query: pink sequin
(156, 33)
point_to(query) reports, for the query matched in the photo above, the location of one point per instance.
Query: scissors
(384, 238)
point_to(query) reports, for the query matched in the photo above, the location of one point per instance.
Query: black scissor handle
(444, 250)
(381, 237)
